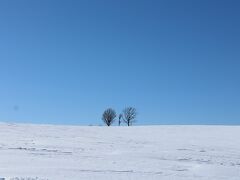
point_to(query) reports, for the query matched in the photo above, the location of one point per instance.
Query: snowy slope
(119, 153)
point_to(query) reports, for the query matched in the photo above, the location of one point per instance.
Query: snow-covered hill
(119, 153)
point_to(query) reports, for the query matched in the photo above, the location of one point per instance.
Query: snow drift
(48, 152)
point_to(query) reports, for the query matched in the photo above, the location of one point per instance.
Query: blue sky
(64, 62)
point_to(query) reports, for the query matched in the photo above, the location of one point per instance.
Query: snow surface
(48, 152)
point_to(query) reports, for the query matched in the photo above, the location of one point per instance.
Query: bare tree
(108, 116)
(119, 119)
(129, 115)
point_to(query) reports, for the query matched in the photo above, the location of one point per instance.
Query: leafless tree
(129, 115)
(119, 119)
(108, 116)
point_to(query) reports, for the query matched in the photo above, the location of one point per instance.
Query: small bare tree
(119, 119)
(129, 115)
(108, 116)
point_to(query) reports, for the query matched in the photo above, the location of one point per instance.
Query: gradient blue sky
(64, 62)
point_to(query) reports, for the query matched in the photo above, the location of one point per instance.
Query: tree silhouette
(108, 116)
(119, 119)
(129, 115)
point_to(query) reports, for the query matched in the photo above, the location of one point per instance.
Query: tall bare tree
(108, 116)
(129, 115)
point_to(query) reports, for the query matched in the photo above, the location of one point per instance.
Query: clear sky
(64, 62)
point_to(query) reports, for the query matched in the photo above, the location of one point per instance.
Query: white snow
(41, 152)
